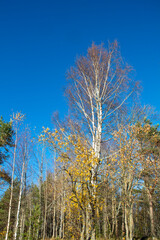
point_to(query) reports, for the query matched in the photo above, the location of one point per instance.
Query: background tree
(148, 136)
(6, 142)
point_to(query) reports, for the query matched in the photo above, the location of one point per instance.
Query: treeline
(96, 174)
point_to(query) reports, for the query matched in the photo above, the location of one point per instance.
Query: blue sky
(40, 40)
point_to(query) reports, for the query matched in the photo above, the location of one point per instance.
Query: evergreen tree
(6, 141)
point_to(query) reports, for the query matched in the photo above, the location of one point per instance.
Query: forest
(96, 173)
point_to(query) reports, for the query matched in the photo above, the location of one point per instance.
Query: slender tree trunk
(113, 211)
(151, 213)
(40, 192)
(116, 227)
(23, 215)
(61, 231)
(87, 222)
(105, 218)
(83, 227)
(92, 222)
(19, 201)
(45, 212)
(98, 222)
(63, 213)
(131, 222)
(56, 231)
(22, 224)
(45, 207)
(61, 221)
(126, 221)
(54, 199)
(11, 196)
(30, 216)
(123, 199)
(54, 210)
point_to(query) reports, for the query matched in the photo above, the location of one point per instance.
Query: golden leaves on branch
(72, 151)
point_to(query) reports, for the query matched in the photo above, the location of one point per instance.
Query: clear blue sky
(39, 41)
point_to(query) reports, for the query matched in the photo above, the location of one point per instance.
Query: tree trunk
(61, 219)
(19, 200)
(54, 210)
(151, 213)
(113, 211)
(11, 196)
(61, 230)
(22, 224)
(123, 219)
(126, 221)
(30, 216)
(40, 191)
(105, 218)
(131, 222)
(45, 204)
(45, 211)
(83, 227)
(87, 223)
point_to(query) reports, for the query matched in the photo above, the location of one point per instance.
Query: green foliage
(33, 213)
(6, 139)
(33, 222)
(4, 206)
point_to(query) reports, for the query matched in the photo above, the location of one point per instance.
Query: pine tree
(6, 141)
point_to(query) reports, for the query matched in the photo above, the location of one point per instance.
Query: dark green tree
(6, 142)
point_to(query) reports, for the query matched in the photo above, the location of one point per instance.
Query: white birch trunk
(131, 226)
(19, 202)
(54, 210)
(11, 196)
(61, 232)
(45, 208)
(40, 191)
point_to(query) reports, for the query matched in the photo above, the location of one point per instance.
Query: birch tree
(99, 86)
(24, 151)
(17, 118)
